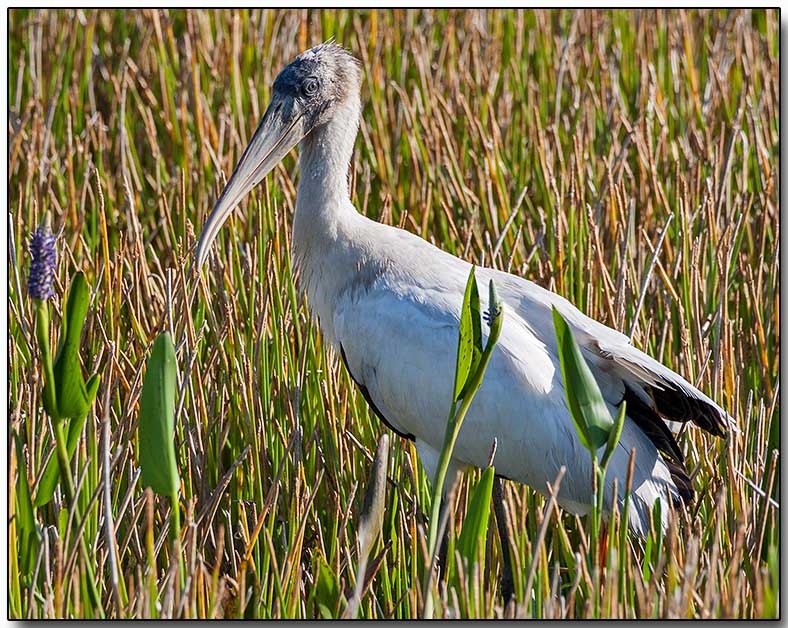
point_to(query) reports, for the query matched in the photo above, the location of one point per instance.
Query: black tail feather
(682, 481)
(653, 426)
(675, 405)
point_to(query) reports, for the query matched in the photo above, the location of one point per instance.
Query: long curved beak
(281, 128)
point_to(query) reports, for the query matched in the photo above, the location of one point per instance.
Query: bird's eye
(310, 87)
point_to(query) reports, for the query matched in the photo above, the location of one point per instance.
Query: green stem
(594, 535)
(175, 533)
(68, 484)
(596, 553)
(42, 335)
(449, 439)
(153, 593)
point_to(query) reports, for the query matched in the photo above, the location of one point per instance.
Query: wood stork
(389, 303)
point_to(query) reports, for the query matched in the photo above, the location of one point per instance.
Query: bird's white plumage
(399, 337)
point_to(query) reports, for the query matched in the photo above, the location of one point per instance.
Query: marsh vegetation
(628, 160)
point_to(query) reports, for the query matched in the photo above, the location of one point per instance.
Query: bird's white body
(393, 310)
(389, 303)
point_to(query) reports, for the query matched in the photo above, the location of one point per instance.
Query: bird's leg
(507, 578)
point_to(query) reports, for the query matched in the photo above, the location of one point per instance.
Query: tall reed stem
(68, 484)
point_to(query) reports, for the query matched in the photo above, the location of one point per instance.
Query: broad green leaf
(27, 527)
(586, 405)
(467, 348)
(474, 528)
(51, 477)
(328, 594)
(72, 395)
(157, 419)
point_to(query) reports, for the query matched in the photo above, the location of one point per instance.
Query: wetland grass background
(560, 145)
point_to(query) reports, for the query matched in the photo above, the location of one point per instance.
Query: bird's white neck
(324, 162)
(324, 213)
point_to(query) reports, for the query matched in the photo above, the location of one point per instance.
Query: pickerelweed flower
(43, 262)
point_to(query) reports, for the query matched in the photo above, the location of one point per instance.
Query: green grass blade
(477, 517)
(28, 531)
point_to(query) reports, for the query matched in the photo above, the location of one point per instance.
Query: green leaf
(474, 528)
(469, 344)
(28, 530)
(157, 419)
(71, 394)
(51, 477)
(647, 556)
(328, 594)
(586, 405)
(476, 321)
(656, 516)
(615, 435)
(479, 367)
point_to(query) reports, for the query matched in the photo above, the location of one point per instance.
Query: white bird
(389, 304)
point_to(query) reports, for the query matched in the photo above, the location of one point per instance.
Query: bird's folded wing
(399, 350)
(614, 356)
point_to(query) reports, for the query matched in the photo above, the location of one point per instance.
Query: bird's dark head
(319, 84)
(319, 80)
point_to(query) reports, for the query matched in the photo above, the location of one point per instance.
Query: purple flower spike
(43, 262)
